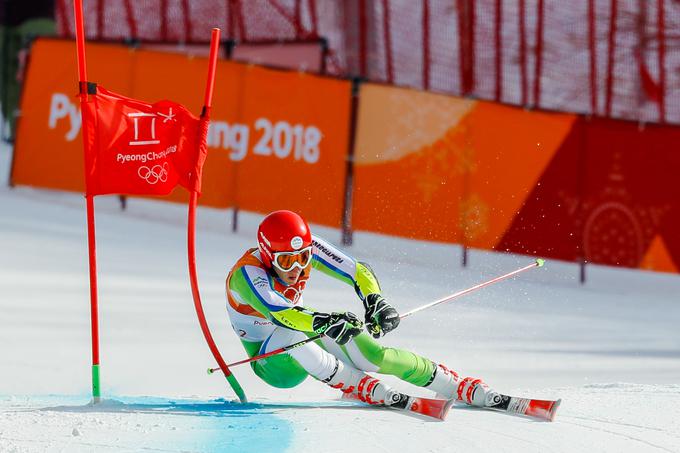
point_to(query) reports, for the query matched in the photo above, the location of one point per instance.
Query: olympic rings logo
(154, 174)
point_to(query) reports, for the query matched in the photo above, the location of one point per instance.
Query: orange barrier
(426, 166)
(439, 168)
(299, 138)
(494, 177)
(608, 197)
(48, 151)
(272, 132)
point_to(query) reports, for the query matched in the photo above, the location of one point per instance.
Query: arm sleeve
(253, 286)
(332, 261)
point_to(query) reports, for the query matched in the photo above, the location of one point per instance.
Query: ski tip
(540, 262)
(553, 410)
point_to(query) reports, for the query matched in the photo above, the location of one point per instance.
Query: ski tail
(429, 407)
(540, 409)
(543, 409)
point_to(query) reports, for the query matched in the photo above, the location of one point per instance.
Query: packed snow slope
(610, 348)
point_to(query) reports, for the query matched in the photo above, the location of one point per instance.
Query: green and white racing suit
(268, 314)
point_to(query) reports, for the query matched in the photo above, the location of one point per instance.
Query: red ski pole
(538, 263)
(270, 353)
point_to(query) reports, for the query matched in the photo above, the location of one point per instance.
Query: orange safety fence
(444, 168)
(494, 177)
(426, 166)
(272, 132)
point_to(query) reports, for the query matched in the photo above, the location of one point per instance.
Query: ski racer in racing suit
(266, 309)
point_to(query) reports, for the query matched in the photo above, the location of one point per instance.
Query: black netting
(383, 41)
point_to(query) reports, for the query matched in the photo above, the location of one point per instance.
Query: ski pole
(270, 353)
(538, 263)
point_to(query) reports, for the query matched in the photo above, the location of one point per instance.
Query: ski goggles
(286, 261)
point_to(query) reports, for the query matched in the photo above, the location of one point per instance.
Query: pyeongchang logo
(62, 108)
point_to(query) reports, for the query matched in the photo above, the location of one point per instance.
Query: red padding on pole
(426, 44)
(593, 56)
(498, 40)
(314, 18)
(132, 24)
(187, 21)
(461, 45)
(231, 20)
(362, 38)
(661, 29)
(298, 19)
(466, 36)
(164, 20)
(100, 19)
(240, 21)
(471, 40)
(522, 53)
(538, 70)
(292, 19)
(388, 41)
(61, 13)
(610, 58)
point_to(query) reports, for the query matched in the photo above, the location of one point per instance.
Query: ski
(540, 409)
(429, 407)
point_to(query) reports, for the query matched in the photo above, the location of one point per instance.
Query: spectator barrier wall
(272, 132)
(425, 166)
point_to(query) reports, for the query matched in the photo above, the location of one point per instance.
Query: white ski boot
(447, 384)
(366, 388)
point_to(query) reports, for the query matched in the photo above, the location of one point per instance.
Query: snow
(610, 348)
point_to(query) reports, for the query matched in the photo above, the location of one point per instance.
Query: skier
(265, 306)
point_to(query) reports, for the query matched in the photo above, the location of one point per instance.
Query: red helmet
(282, 231)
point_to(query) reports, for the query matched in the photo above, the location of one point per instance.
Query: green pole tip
(540, 262)
(210, 371)
(96, 385)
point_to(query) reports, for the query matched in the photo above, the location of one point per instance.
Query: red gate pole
(91, 239)
(191, 227)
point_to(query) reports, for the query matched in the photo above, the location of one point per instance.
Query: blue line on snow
(197, 425)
